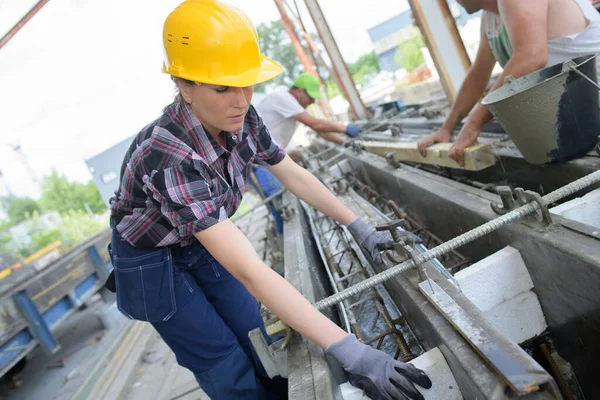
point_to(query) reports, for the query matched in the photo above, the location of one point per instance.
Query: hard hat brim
(269, 69)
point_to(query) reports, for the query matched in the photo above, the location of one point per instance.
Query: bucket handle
(571, 66)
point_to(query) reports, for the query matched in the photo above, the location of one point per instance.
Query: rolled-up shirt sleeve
(267, 148)
(185, 198)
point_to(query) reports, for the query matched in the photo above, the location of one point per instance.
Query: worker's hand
(352, 130)
(375, 372)
(442, 135)
(467, 136)
(374, 241)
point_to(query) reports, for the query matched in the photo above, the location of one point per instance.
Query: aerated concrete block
(520, 318)
(350, 392)
(495, 279)
(435, 366)
(584, 209)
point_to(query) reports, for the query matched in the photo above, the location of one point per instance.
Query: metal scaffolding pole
(298, 49)
(306, 59)
(347, 85)
(13, 31)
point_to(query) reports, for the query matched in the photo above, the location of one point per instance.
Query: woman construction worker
(523, 36)
(180, 263)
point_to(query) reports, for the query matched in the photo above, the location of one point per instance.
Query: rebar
(353, 271)
(560, 378)
(461, 240)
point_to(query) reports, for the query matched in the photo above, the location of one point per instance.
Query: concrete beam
(564, 265)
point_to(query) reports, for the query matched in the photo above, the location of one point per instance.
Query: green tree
(7, 256)
(45, 238)
(18, 209)
(276, 44)
(61, 195)
(78, 226)
(409, 55)
(364, 68)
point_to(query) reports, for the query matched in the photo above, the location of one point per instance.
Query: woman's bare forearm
(308, 188)
(266, 285)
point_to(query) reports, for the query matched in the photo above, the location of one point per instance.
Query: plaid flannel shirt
(177, 180)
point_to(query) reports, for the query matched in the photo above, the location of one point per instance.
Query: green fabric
(500, 45)
(310, 83)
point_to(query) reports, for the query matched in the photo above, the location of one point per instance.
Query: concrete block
(584, 209)
(435, 366)
(495, 279)
(350, 392)
(519, 318)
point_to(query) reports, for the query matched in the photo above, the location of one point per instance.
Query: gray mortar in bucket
(552, 115)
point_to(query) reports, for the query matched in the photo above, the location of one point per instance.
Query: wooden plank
(509, 370)
(477, 157)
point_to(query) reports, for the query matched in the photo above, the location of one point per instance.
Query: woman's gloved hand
(374, 241)
(376, 373)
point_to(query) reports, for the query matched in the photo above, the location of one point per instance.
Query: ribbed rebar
(460, 240)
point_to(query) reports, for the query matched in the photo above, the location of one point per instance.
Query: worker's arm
(470, 91)
(526, 24)
(384, 376)
(326, 129)
(308, 188)
(305, 186)
(319, 125)
(266, 285)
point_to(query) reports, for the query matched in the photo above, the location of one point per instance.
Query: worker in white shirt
(281, 111)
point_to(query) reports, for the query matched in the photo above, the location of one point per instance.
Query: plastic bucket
(552, 115)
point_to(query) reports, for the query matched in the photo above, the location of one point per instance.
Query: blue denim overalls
(269, 186)
(201, 311)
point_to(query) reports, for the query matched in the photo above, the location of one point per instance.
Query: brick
(520, 318)
(435, 366)
(495, 279)
(584, 209)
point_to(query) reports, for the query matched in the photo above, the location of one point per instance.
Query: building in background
(106, 168)
(387, 35)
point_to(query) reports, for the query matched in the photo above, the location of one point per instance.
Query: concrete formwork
(564, 264)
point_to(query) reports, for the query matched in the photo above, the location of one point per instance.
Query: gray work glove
(376, 373)
(374, 241)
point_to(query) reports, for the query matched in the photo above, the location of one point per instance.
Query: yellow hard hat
(211, 42)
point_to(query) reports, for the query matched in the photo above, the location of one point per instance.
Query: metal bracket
(393, 160)
(340, 185)
(287, 212)
(392, 227)
(543, 217)
(514, 198)
(508, 200)
(272, 356)
(396, 130)
(357, 146)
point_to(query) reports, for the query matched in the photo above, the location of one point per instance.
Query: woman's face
(219, 108)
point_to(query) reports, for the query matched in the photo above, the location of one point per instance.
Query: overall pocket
(145, 289)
